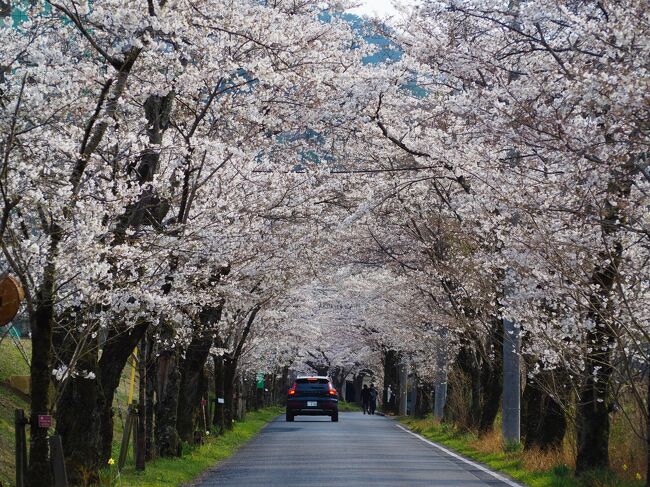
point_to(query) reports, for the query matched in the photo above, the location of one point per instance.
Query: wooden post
(134, 428)
(126, 436)
(58, 461)
(21, 447)
(140, 441)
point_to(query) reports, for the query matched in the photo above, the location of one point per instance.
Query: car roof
(312, 377)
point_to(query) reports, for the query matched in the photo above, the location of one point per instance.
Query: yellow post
(134, 358)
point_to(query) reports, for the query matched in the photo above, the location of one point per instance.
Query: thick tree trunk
(424, 400)
(593, 405)
(167, 389)
(77, 415)
(484, 371)
(78, 424)
(470, 372)
(283, 386)
(593, 411)
(391, 380)
(229, 413)
(116, 351)
(543, 420)
(594, 397)
(39, 472)
(192, 374)
(492, 378)
(219, 419)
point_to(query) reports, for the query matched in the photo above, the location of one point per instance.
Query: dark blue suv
(312, 396)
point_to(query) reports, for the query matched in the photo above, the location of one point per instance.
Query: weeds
(535, 467)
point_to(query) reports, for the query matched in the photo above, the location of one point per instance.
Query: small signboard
(260, 380)
(203, 402)
(220, 400)
(44, 421)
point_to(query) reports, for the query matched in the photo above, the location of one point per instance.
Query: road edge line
(497, 476)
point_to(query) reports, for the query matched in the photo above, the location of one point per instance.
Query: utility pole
(440, 397)
(511, 382)
(403, 378)
(414, 395)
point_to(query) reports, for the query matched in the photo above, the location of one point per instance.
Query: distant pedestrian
(373, 398)
(365, 399)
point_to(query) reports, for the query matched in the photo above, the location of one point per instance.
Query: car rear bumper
(324, 407)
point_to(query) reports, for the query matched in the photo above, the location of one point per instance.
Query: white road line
(465, 460)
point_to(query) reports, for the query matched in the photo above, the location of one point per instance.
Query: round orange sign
(11, 294)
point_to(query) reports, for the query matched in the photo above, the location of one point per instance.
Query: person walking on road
(365, 399)
(373, 393)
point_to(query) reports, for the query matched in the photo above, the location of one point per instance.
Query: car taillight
(292, 391)
(332, 391)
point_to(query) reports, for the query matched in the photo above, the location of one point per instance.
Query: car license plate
(312, 404)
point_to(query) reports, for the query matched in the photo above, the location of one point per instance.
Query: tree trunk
(229, 413)
(167, 389)
(391, 380)
(424, 400)
(492, 378)
(192, 374)
(543, 420)
(219, 419)
(594, 398)
(116, 351)
(77, 415)
(281, 387)
(467, 361)
(593, 408)
(39, 471)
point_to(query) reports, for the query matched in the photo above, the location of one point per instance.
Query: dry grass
(542, 468)
(627, 455)
(626, 451)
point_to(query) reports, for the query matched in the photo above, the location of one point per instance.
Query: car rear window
(311, 384)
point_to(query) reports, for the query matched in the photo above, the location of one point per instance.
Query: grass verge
(195, 460)
(348, 407)
(535, 469)
(11, 363)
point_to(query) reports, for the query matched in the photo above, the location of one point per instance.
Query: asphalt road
(357, 451)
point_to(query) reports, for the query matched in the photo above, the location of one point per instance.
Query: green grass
(160, 472)
(511, 462)
(11, 363)
(348, 407)
(195, 460)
